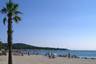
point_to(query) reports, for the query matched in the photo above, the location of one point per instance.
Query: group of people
(51, 55)
(20, 53)
(54, 55)
(3, 52)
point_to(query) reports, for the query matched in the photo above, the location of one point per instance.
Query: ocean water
(79, 53)
(84, 53)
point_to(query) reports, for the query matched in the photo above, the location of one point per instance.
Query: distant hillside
(26, 46)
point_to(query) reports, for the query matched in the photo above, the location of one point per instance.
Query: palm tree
(11, 13)
(1, 45)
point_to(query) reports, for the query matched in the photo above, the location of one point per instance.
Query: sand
(37, 59)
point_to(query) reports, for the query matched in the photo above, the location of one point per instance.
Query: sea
(79, 53)
(84, 53)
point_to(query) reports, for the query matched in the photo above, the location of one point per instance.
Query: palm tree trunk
(9, 1)
(9, 40)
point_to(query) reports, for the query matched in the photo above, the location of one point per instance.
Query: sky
(54, 23)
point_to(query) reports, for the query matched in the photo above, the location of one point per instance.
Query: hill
(26, 46)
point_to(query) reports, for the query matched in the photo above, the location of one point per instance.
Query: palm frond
(9, 7)
(3, 10)
(4, 20)
(10, 1)
(16, 19)
(15, 7)
(17, 12)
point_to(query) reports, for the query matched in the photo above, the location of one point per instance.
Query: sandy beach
(37, 59)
